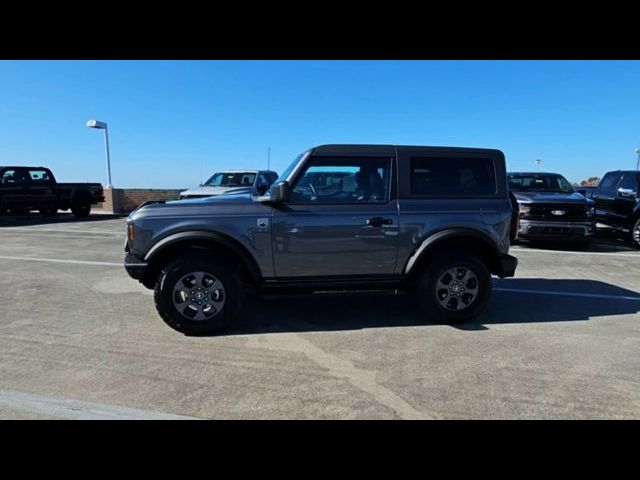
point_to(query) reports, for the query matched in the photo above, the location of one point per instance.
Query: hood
(206, 191)
(224, 205)
(552, 197)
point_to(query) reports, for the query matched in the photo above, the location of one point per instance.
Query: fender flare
(213, 237)
(437, 238)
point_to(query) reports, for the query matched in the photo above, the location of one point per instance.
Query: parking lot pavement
(80, 339)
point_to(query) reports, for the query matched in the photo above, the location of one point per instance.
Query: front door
(626, 199)
(341, 220)
(604, 197)
(41, 189)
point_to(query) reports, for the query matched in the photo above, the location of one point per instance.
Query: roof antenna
(268, 157)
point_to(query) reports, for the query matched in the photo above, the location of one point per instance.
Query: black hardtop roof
(332, 149)
(623, 171)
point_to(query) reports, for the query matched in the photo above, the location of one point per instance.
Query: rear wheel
(198, 293)
(81, 207)
(454, 287)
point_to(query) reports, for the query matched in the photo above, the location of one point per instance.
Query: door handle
(378, 221)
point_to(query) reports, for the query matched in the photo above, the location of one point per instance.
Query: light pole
(538, 160)
(638, 162)
(103, 126)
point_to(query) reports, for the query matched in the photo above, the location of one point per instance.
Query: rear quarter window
(452, 176)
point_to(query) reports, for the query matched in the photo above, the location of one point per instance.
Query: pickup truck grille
(571, 213)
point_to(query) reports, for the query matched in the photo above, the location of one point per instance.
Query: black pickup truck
(23, 189)
(617, 200)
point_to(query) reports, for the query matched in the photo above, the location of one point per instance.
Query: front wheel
(198, 293)
(454, 287)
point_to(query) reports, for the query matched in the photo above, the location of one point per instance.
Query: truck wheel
(635, 234)
(198, 293)
(454, 287)
(81, 207)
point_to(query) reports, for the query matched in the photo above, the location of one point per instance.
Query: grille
(543, 212)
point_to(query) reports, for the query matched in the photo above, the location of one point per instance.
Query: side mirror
(279, 192)
(627, 192)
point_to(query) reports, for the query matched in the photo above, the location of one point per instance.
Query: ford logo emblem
(557, 212)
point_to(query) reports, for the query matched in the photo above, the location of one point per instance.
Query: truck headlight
(591, 211)
(524, 210)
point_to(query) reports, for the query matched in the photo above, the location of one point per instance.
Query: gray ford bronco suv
(433, 221)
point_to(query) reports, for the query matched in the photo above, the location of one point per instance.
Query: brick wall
(125, 200)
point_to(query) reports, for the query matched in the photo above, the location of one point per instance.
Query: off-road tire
(199, 261)
(427, 293)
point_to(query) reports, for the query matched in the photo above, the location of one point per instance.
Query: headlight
(524, 209)
(591, 211)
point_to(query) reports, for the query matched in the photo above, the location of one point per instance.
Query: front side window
(452, 176)
(343, 180)
(609, 182)
(629, 182)
(271, 178)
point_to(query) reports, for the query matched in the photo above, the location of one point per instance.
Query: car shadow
(533, 300)
(39, 219)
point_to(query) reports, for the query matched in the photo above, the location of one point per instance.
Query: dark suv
(435, 221)
(618, 203)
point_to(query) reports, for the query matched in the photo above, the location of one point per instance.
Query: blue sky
(169, 119)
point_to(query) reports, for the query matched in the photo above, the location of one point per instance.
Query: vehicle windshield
(231, 179)
(287, 171)
(543, 182)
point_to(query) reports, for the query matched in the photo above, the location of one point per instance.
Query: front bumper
(134, 266)
(556, 230)
(507, 266)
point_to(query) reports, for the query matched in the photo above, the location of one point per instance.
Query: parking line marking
(60, 231)
(566, 294)
(62, 260)
(78, 409)
(564, 252)
(24, 236)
